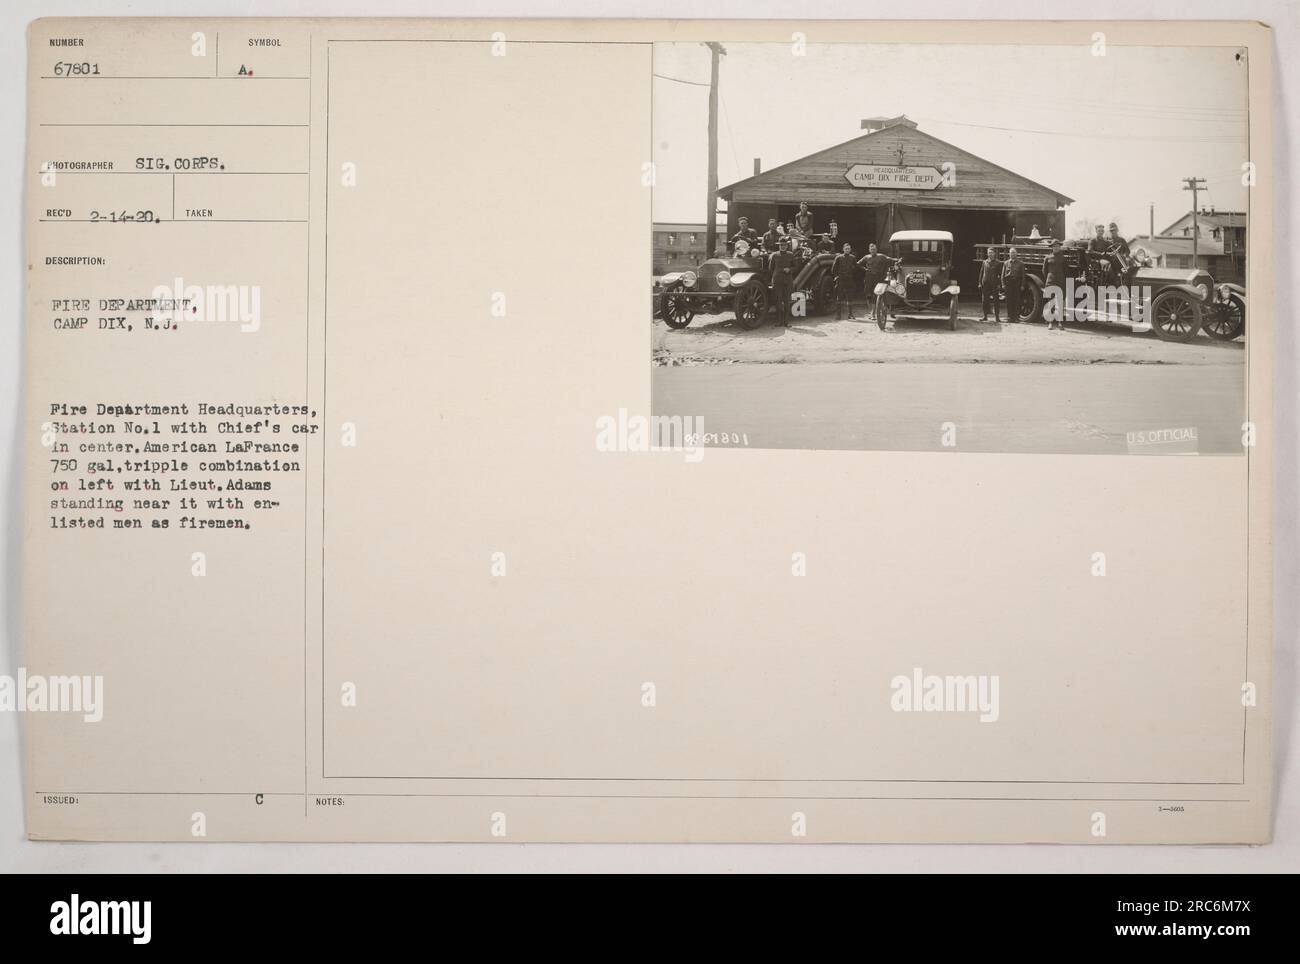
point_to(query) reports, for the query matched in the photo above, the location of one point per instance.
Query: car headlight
(1204, 289)
(1223, 292)
(935, 289)
(689, 279)
(723, 278)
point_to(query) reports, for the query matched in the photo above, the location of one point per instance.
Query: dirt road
(714, 338)
(993, 407)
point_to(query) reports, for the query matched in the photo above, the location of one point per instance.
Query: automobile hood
(1174, 276)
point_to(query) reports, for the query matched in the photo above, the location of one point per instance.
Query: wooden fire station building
(896, 177)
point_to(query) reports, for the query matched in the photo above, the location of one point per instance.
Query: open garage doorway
(969, 228)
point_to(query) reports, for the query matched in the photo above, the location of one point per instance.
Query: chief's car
(920, 280)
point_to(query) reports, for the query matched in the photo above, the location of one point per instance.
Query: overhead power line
(679, 80)
(1194, 138)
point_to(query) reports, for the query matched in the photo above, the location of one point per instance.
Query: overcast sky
(1113, 132)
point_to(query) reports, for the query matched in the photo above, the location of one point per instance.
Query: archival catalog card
(648, 431)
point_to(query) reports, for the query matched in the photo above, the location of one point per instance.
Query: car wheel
(675, 308)
(1227, 321)
(880, 312)
(952, 313)
(1175, 316)
(751, 305)
(1031, 302)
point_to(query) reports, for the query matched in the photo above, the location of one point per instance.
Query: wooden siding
(819, 178)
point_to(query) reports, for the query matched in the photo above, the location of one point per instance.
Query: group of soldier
(1009, 275)
(782, 250)
(795, 235)
(874, 268)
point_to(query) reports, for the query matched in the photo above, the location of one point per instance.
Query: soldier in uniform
(782, 268)
(773, 235)
(804, 220)
(990, 275)
(1013, 279)
(1056, 269)
(843, 269)
(1096, 254)
(876, 265)
(1121, 258)
(746, 234)
(1116, 242)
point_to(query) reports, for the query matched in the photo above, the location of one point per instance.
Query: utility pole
(1151, 219)
(716, 50)
(1194, 184)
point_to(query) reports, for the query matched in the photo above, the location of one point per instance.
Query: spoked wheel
(880, 312)
(751, 305)
(675, 308)
(1031, 302)
(952, 313)
(1228, 321)
(1175, 316)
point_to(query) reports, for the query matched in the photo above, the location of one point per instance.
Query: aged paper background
(521, 695)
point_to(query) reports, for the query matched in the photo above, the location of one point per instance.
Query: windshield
(921, 252)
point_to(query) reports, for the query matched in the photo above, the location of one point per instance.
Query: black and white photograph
(930, 509)
(1020, 249)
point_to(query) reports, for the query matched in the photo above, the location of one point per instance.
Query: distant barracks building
(892, 179)
(678, 245)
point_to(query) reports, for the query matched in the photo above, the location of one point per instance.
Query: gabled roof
(892, 130)
(1176, 244)
(1217, 219)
